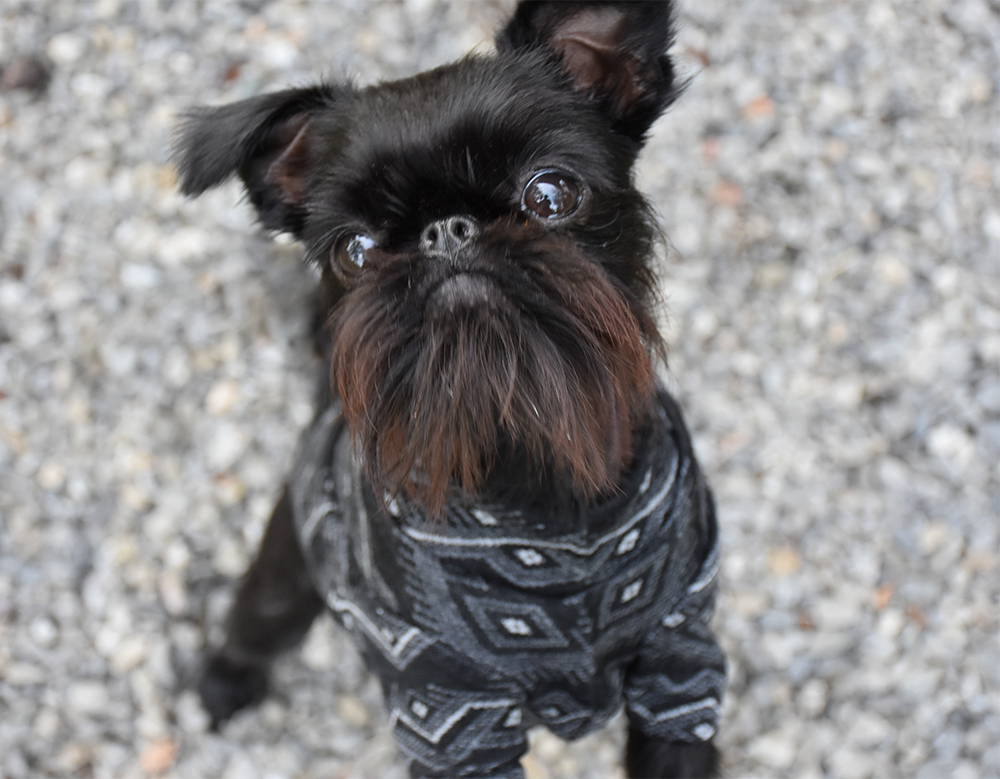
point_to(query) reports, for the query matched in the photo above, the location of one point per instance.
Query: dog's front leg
(274, 608)
(648, 757)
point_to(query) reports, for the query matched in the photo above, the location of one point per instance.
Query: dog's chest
(494, 585)
(485, 610)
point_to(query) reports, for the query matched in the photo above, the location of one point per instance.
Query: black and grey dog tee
(485, 622)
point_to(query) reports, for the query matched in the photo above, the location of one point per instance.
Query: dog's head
(488, 252)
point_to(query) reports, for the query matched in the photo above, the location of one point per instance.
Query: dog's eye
(349, 253)
(552, 194)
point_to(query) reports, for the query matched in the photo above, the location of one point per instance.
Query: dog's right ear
(267, 140)
(613, 52)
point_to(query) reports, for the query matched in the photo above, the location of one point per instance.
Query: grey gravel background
(829, 183)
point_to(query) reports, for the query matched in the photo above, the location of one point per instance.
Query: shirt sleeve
(674, 688)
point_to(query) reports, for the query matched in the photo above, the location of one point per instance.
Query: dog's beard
(530, 351)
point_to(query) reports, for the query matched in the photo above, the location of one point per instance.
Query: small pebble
(26, 72)
(87, 697)
(353, 711)
(812, 698)
(222, 396)
(129, 654)
(774, 750)
(851, 764)
(226, 446)
(66, 48)
(988, 440)
(44, 632)
(158, 756)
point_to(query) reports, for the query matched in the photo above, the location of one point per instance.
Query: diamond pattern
(512, 625)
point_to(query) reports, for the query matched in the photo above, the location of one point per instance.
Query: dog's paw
(653, 758)
(226, 687)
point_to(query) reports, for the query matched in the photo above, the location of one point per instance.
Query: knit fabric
(485, 622)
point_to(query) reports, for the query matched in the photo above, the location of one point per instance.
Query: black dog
(496, 497)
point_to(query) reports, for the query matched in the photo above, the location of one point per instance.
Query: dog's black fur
(497, 337)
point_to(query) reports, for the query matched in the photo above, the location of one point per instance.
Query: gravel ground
(830, 185)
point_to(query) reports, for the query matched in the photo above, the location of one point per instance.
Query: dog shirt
(485, 622)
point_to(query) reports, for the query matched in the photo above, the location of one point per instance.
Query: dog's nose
(446, 236)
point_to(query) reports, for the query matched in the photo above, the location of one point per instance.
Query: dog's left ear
(615, 52)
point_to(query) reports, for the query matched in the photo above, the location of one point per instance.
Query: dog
(497, 498)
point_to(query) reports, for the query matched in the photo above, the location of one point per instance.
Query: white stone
(191, 714)
(226, 446)
(183, 245)
(136, 276)
(890, 623)
(44, 632)
(869, 730)
(51, 475)
(176, 366)
(65, 48)
(851, 764)
(87, 697)
(222, 396)
(812, 698)
(22, 674)
(230, 558)
(775, 750)
(129, 653)
(836, 614)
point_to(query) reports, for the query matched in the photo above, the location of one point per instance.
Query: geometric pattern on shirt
(552, 628)
(511, 625)
(441, 728)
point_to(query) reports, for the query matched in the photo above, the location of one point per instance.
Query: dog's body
(495, 498)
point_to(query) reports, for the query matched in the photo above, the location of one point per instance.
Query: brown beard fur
(561, 375)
